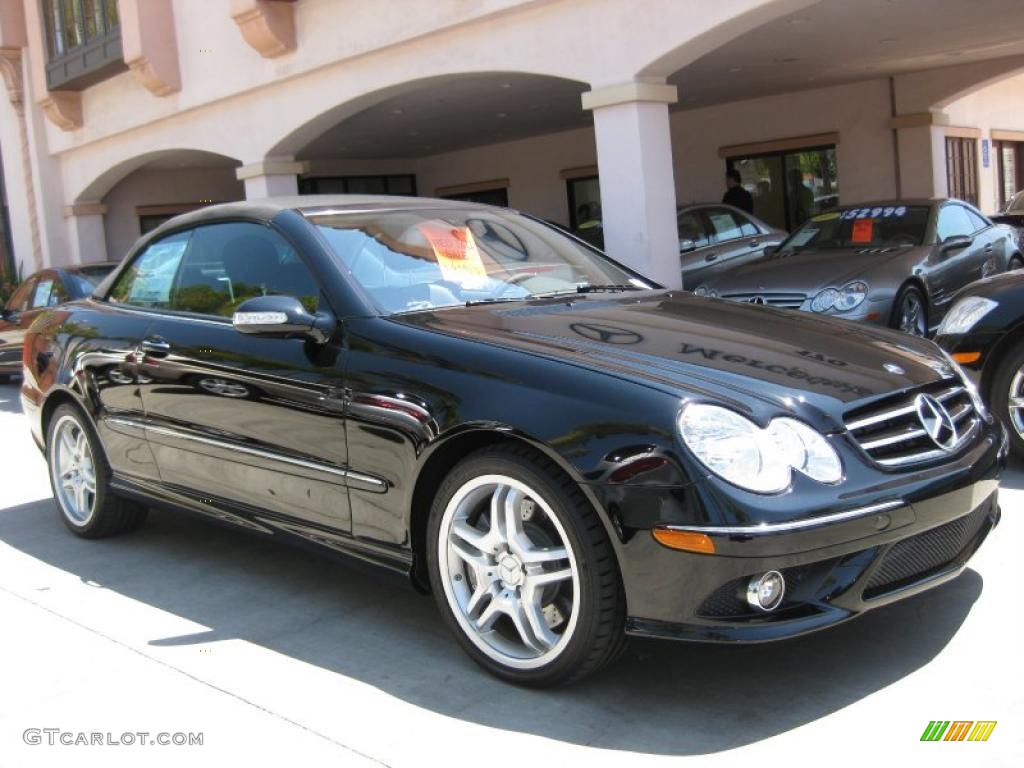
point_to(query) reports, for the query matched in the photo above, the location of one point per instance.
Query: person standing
(735, 195)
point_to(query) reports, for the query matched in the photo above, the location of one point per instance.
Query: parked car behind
(559, 452)
(896, 263)
(713, 238)
(984, 332)
(40, 291)
(1012, 214)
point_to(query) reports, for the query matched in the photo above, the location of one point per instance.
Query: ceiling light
(412, 133)
(505, 85)
(786, 59)
(887, 40)
(502, 114)
(797, 20)
(396, 111)
(735, 69)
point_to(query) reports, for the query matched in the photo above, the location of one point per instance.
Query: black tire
(5, 378)
(110, 515)
(909, 293)
(598, 637)
(1009, 365)
(1015, 262)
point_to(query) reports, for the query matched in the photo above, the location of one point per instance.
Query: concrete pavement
(276, 654)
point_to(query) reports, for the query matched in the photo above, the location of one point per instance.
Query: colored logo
(958, 730)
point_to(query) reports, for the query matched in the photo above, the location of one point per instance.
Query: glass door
(790, 187)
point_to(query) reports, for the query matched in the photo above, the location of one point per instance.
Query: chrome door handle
(155, 346)
(711, 257)
(754, 243)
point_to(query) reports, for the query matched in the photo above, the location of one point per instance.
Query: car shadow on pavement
(664, 697)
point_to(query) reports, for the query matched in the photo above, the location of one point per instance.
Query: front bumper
(836, 566)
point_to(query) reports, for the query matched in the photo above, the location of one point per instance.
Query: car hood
(809, 270)
(691, 346)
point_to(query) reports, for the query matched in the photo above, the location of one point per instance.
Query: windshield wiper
(610, 288)
(496, 300)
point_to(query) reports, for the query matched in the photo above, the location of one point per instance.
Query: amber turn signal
(688, 541)
(967, 358)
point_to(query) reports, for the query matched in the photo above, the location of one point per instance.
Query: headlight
(842, 299)
(976, 401)
(965, 314)
(759, 460)
(851, 295)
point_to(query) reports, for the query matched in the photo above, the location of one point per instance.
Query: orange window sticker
(455, 250)
(863, 231)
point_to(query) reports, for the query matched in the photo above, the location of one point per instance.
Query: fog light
(765, 592)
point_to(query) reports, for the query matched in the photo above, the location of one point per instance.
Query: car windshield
(885, 226)
(410, 260)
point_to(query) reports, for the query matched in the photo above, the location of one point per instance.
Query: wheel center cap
(511, 570)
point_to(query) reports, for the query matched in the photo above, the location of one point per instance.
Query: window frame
(95, 58)
(737, 216)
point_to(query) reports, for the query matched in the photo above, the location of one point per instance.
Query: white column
(638, 193)
(272, 177)
(86, 234)
(921, 144)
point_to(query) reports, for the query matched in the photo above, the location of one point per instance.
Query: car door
(695, 252)
(953, 268)
(992, 243)
(245, 422)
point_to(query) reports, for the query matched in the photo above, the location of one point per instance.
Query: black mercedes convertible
(557, 449)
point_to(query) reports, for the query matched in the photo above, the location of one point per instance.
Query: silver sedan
(895, 263)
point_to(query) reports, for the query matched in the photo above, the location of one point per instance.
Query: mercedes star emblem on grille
(757, 300)
(937, 422)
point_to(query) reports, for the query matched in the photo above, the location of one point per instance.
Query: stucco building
(119, 113)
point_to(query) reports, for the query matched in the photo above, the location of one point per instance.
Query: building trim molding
(471, 187)
(10, 70)
(627, 93)
(918, 120)
(150, 46)
(779, 145)
(272, 166)
(268, 26)
(84, 209)
(1001, 135)
(961, 132)
(579, 172)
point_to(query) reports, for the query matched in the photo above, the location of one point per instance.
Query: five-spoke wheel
(523, 570)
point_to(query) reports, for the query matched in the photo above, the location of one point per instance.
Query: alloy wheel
(74, 471)
(509, 573)
(912, 319)
(1015, 401)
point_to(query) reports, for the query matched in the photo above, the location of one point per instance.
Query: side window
(59, 294)
(953, 220)
(19, 301)
(41, 295)
(228, 263)
(692, 228)
(148, 280)
(747, 227)
(724, 225)
(977, 220)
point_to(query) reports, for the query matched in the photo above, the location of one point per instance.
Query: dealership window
(1010, 165)
(584, 201)
(962, 168)
(83, 40)
(386, 184)
(496, 196)
(791, 185)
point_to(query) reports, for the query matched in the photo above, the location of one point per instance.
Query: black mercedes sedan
(984, 332)
(37, 293)
(561, 452)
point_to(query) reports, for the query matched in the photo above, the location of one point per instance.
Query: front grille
(783, 300)
(892, 434)
(916, 557)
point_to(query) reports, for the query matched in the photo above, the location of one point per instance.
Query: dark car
(713, 238)
(41, 291)
(1012, 214)
(895, 263)
(561, 452)
(984, 332)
